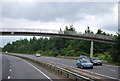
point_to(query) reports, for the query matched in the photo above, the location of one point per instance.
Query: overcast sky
(56, 15)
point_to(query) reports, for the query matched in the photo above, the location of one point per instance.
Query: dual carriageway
(23, 70)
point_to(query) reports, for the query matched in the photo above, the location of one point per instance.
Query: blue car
(83, 57)
(84, 63)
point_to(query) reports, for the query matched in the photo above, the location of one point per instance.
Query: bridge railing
(28, 30)
(86, 35)
(56, 32)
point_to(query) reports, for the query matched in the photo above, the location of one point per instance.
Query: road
(16, 68)
(106, 71)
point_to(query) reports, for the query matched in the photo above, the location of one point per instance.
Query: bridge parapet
(27, 30)
(87, 35)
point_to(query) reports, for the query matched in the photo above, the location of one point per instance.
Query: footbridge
(57, 33)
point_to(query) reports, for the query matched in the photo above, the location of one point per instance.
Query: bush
(101, 56)
(104, 56)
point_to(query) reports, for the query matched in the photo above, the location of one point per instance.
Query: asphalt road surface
(106, 71)
(16, 68)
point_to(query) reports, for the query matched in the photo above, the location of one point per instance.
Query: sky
(56, 15)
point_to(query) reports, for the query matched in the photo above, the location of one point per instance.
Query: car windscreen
(83, 57)
(95, 59)
(85, 61)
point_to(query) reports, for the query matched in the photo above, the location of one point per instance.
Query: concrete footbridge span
(57, 33)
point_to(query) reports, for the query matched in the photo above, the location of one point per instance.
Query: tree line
(51, 46)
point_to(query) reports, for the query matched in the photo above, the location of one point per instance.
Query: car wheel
(77, 65)
(81, 67)
(92, 67)
(101, 64)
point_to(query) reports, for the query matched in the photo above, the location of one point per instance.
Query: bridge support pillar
(91, 49)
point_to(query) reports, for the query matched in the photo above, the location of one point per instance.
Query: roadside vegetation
(68, 47)
(0, 49)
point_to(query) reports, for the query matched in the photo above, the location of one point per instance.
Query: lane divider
(10, 70)
(8, 77)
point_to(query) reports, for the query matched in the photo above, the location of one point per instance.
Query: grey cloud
(49, 11)
(111, 28)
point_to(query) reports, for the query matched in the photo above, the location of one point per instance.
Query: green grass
(24, 54)
(62, 57)
(68, 58)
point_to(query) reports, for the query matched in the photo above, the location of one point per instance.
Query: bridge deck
(56, 33)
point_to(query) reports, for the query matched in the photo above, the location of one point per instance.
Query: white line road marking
(8, 77)
(38, 70)
(112, 69)
(10, 70)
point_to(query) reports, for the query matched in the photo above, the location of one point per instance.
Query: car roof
(82, 55)
(83, 59)
(94, 57)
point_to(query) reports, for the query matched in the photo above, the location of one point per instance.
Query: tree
(99, 31)
(0, 49)
(60, 31)
(70, 30)
(8, 47)
(66, 28)
(60, 46)
(88, 30)
(116, 49)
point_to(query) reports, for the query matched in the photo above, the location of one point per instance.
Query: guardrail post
(60, 72)
(75, 79)
(91, 49)
(67, 75)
